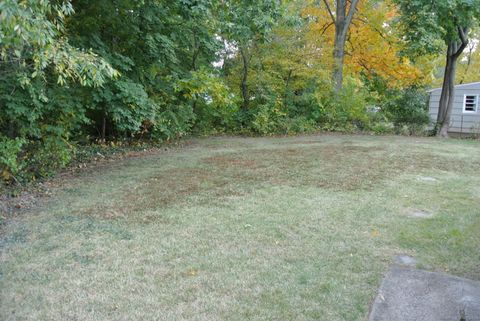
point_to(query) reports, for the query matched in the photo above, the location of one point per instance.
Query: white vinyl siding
(470, 103)
(461, 120)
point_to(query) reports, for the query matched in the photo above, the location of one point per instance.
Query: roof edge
(460, 85)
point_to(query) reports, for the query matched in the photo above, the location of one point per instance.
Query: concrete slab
(407, 294)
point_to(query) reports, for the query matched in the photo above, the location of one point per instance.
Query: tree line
(78, 72)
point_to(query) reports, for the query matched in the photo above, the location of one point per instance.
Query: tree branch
(366, 22)
(351, 11)
(325, 28)
(329, 11)
(461, 32)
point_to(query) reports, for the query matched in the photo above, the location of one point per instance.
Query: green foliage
(403, 111)
(32, 41)
(36, 60)
(173, 122)
(428, 25)
(160, 70)
(10, 164)
(346, 110)
(407, 107)
(47, 156)
(211, 101)
(267, 118)
(249, 20)
(126, 104)
(383, 127)
(157, 46)
(300, 124)
(22, 160)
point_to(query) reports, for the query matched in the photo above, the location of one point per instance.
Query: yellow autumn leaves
(373, 46)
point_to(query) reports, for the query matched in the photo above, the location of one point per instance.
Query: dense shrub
(10, 162)
(346, 111)
(408, 108)
(382, 127)
(298, 125)
(267, 117)
(212, 103)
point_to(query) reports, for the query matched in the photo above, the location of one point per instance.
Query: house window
(470, 103)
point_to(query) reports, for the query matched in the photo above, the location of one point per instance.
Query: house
(465, 117)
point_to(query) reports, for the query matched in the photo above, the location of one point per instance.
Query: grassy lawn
(299, 228)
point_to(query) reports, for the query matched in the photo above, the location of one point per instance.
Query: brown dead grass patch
(228, 161)
(301, 142)
(236, 173)
(169, 186)
(339, 167)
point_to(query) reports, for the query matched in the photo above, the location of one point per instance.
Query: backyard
(227, 228)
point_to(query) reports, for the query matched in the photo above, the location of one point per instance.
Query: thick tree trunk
(338, 57)
(244, 85)
(454, 50)
(445, 95)
(445, 121)
(342, 21)
(445, 104)
(339, 47)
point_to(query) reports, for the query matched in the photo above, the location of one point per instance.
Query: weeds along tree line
(77, 72)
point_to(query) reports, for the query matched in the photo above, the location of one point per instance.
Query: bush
(213, 106)
(407, 107)
(172, 122)
(22, 160)
(46, 156)
(266, 118)
(10, 162)
(298, 125)
(381, 128)
(346, 111)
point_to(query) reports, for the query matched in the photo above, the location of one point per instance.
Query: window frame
(465, 104)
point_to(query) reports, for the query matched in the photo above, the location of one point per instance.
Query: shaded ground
(299, 228)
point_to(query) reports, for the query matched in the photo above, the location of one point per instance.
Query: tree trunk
(339, 46)
(454, 50)
(338, 58)
(342, 21)
(196, 52)
(447, 109)
(445, 95)
(287, 87)
(469, 63)
(104, 127)
(244, 85)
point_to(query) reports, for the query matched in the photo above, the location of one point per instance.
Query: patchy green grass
(299, 228)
